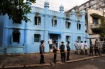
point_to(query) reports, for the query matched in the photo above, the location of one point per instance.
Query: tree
(102, 28)
(16, 9)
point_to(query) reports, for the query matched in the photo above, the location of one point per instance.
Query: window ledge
(15, 43)
(36, 43)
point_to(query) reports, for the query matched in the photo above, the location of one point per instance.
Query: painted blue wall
(1, 29)
(27, 30)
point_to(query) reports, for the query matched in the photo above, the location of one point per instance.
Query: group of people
(82, 47)
(95, 48)
(55, 49)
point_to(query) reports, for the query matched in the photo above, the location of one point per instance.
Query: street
(95, 63)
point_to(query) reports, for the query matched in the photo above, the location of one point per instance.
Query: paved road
(95, 63)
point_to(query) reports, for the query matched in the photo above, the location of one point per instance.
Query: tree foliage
(16, 9)
(102, 28)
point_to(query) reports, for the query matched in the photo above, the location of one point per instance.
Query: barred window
(37, 37)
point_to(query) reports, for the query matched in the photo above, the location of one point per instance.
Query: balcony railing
(94, 26)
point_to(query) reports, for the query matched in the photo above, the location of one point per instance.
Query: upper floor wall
(46, 19)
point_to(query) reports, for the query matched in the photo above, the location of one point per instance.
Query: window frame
(37, 20)
(67, 38)
(78, 26)
(17, 31)
(54, 22)
(79, 38)
(95, 18)
(37, 37)
(68, 24)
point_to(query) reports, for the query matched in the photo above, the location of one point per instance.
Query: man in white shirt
(50, 44)
(82, 48)
(86, 47)
(76, 44)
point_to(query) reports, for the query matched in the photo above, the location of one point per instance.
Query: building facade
(44, 23)
(94, 10)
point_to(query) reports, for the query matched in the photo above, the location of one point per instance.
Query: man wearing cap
(42, 52)
(62, 51)
(68, 50)
(96, 48)
(55, 49)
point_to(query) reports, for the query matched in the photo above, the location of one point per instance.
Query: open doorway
(54, 37)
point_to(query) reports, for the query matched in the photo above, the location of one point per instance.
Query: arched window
(54, 22)
(67, 24)
(16, 36)
(67, 38)
(78, 26)
(79, 39)
(37, 20)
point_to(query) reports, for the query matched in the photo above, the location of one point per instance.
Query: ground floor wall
(29, 44)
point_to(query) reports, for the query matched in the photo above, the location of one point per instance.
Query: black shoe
(42, 62)
(95, 55)
(68, 59)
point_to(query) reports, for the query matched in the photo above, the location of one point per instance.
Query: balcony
(92, 26)
(95, 28)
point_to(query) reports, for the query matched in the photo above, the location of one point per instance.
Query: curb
(82, 59)
(46, 64)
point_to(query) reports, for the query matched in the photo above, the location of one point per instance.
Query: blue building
(25, 37)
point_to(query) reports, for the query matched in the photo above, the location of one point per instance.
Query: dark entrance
(54, 37)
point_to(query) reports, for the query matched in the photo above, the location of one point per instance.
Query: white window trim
(37, 18)
(38, 38)
(53, 22)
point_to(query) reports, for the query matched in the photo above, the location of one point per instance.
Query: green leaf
(16, 9)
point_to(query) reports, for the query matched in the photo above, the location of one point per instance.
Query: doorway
(54, 37)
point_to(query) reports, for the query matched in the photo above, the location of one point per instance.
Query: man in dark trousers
(68, 50)
(91, 49)
(96, 48)
(62, 51)
(42, 52)
(104, 47)
(55, 51)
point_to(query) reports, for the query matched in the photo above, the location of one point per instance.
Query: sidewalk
(34, 59)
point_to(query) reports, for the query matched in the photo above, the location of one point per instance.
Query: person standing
(68, 50)
(96, 48)
(82, 48)
(50, 44)
(86, 47)
(62, 51)
(91, 49)
(104, 47)
(42, 52)
(76, 44)
(55, 49)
